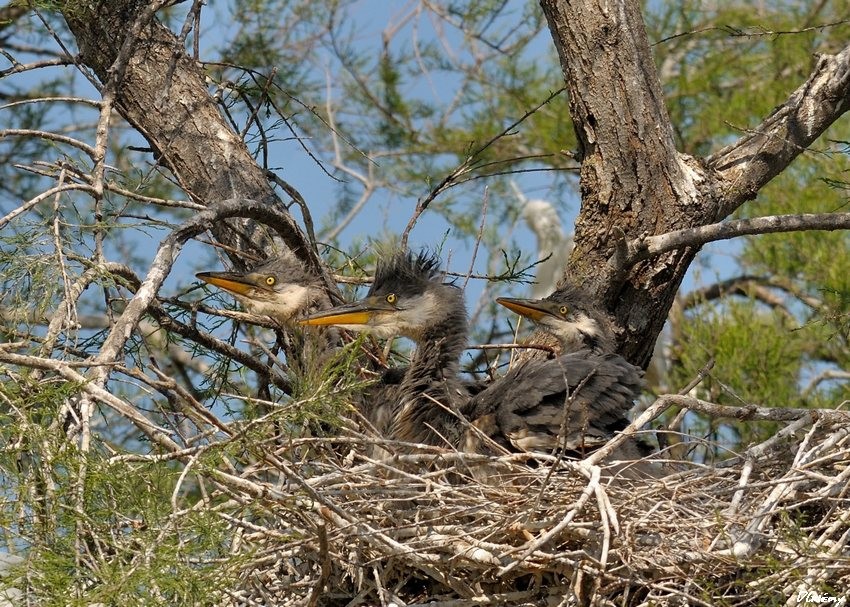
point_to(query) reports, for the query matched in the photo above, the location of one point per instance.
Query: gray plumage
(571, 315)
(409, 298)
(574, 403)
(584, 329)
(283, 289)
(440, 333)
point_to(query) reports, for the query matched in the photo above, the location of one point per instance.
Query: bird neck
(306, 349)
(432, 378)
(439, 348)
(317, 299)
(599, 343)
(595, 332)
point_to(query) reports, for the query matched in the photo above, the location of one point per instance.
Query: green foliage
(746, 374)
(139, 549)
(757, 359)
(387, 95)
(729, 66)
(725, 67)
(156, 556)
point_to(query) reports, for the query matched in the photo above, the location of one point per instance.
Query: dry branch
(745, 166)
(315, 521)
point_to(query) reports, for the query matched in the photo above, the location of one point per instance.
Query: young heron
(570, 315)
(280, 288)
(571, 404)
(408, 298)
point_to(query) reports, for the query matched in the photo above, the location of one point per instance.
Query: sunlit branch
(645, 247)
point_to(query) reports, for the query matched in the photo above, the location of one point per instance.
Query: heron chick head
(571, 316)
(407, 298)
(280, 288)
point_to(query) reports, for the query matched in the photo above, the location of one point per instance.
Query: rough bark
(161, 91)
(745, 166)
(635, 183)
(632, 179)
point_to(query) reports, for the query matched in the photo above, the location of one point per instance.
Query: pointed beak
(357, 313)
(534, 309)
(236, 283)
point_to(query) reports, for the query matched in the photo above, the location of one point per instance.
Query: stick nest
(320, 523)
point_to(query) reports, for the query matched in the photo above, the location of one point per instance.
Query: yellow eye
(391, 298)
(270, 280)
(563, 310)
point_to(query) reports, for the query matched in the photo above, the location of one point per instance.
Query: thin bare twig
(466, 166)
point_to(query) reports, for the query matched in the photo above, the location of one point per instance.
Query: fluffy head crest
(405, 269)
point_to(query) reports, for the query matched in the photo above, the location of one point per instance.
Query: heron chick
(571, 404)
(571, 316)
(581, 326)
(280, 288)
(408, 298)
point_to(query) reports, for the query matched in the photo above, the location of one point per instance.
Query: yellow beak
(357, 313)
(353, 317)
(229, 281)
(530, 308)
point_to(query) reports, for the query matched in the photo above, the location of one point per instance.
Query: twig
(754, 412)
(466, 166)
(484, 203)
(29, 133)
(651, 412)
(325, 568)
(593, 473)
(514, 346)
(41, 197)
(151, 430)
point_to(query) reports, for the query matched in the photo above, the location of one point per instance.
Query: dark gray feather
(574, 402)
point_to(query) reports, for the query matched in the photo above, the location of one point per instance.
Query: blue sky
(390, 213)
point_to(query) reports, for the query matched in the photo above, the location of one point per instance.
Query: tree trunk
(632, 179)
(634, 182)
